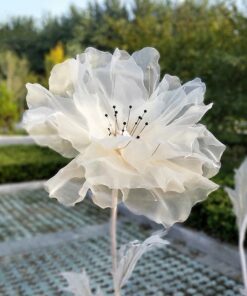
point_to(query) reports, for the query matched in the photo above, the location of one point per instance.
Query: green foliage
(24, 163)
(215, 215)
(8, 110)
(15, 72)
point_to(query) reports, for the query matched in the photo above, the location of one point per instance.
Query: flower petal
(63, 77)
(39, 123)
(147, 58)
(165, 207)
(66, 184)
(55, 122)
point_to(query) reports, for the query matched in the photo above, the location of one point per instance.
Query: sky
(39, 8)
(36, 8)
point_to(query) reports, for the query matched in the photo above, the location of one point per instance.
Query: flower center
(125, 129)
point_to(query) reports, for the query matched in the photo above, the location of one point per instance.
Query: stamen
(146, 124)
(126, 145)
(116, 122)
(130, 107)
(123, 128)
(109, 128)
(134, 127)
(155, 150)
(137, 123)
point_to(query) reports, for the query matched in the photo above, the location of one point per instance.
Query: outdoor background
(206, 39)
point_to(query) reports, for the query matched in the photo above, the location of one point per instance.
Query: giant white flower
(127, 131)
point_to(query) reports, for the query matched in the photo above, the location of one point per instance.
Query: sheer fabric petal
(238, 195)
(62, 78)
(55, 122)
(166, 207)
(66, 185)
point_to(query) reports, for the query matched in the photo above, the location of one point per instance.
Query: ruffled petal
(63, 77)
(167, 207)
(40, 124)
(98, 66)
(102, 196)
(67, 183)
(55, 122)
(172, 100)
(127, 82)
(116, 79)
(147, 58)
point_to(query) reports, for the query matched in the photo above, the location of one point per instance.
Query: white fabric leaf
(238, 195)
(79, 284)
(129, 255)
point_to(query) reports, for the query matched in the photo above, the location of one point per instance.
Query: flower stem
(242, 254)
(114, 239)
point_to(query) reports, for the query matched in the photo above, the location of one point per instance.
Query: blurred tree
(16, 73)
(8, 110)
(20, 35)
(55, 56)
(98, 25)
(194, 37)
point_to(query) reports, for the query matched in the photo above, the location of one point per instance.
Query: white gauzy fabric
(127, 131)
(238, 195)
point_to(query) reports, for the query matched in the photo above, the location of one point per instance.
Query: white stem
(242, 253)
(114, 239)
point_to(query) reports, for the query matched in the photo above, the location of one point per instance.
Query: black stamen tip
(130, 106)
(124, 123)
(145, 111)
(106, 115)
(113, 106)
(135, 122)
(140, 117)
(138, 137)
(116, 112)
(146, 123)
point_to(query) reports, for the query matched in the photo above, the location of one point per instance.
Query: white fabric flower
(127, 131)
(238, 198)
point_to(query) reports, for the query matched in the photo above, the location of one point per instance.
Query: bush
(8, 110)
(25, 163)
(215, 215)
